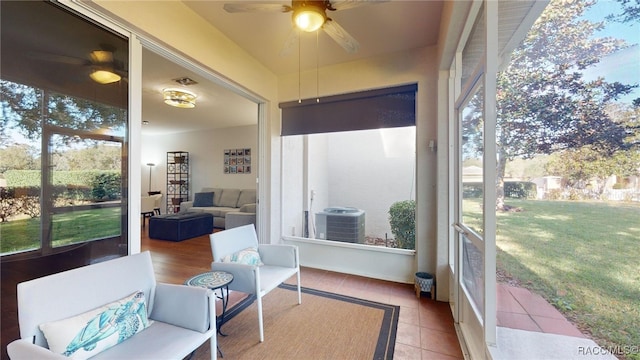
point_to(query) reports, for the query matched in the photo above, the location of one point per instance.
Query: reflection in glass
(86, 197)
(472, 265)
(472, 151)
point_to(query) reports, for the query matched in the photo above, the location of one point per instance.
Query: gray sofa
(230, 207)
(183, 317)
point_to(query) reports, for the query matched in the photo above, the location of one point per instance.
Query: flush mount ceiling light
(179, 98)
(309, 16)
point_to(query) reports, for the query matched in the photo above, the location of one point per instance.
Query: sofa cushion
(229, 198)
(248, 208)
(217, 194)
(249, 256)
(247, 196)
(203, 199)
(87, 334)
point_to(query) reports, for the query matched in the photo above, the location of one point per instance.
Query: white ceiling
(380, 27)
(216, 106)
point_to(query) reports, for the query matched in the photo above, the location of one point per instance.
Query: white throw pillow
(87, 334)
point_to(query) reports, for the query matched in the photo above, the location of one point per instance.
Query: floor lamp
(150, 165)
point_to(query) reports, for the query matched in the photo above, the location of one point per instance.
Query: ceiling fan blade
(348, 4)
(255, 7)
(63, 59)
(289, 44)
(341, 36)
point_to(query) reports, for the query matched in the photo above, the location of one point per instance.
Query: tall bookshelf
(177, 179)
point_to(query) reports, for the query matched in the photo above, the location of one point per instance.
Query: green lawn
(583, 258)
(68, 228)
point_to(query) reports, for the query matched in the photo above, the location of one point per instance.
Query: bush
(402, 217)
(106, 186)
(520, 190)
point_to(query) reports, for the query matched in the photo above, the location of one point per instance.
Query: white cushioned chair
(183, 316)
(147, 205)
(280, 262)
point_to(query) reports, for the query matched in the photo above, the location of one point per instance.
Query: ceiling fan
(104, 68)
(309, 16)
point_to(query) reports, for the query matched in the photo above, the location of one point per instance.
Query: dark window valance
(372, 109)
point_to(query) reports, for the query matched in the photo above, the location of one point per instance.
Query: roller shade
(373, 109)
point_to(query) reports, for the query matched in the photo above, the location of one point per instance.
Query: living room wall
(205, 155)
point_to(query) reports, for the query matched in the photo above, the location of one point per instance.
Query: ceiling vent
(185, 81)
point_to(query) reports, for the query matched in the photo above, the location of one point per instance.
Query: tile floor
(425, 326)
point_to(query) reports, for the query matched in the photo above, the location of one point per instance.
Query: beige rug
(324, 326)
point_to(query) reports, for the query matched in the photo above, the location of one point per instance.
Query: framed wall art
(237, 161)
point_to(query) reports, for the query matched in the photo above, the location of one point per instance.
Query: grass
(68, 228)
(583, 258)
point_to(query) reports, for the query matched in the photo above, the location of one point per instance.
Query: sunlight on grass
(69, 228)
(580, 256)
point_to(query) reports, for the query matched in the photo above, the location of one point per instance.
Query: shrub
(402, 217)
(520, 189)
(106, 186)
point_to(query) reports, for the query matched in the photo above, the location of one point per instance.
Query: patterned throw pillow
(87, 334)
(249, 256)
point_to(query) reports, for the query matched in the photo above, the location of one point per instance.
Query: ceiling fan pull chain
(299, 95)
(318, 66)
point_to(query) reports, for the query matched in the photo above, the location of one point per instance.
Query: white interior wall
(206, 157)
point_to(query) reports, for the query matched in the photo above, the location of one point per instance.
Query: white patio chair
(280, 262)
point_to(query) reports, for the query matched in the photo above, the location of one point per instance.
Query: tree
(19, 157)
(544, 103)
(22, 111)
(630, 11)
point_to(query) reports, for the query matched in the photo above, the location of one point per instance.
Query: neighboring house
(459, 60)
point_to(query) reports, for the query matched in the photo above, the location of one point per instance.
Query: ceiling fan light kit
(104, 76)
(310, 17)
(179, 98)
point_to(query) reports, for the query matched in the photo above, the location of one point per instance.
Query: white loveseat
(181, 318)
(230, 207)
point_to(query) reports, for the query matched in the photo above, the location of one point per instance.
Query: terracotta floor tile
(408, 334)
(406, 352)
(440, 342)
(432, 355)
(557, 326)
(436, 320)
(409, 315)
(517, 321)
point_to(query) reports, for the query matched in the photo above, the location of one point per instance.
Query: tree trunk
(501, 166)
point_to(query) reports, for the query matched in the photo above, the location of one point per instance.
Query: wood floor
(425, 328)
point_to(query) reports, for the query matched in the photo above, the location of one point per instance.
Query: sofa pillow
(203, 199)
(87, 334)
(229, 198)
(249, 256)
(217, 194)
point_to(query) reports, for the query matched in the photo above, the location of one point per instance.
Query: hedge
(512, 189)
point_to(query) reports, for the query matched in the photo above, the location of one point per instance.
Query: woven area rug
(324, 326)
